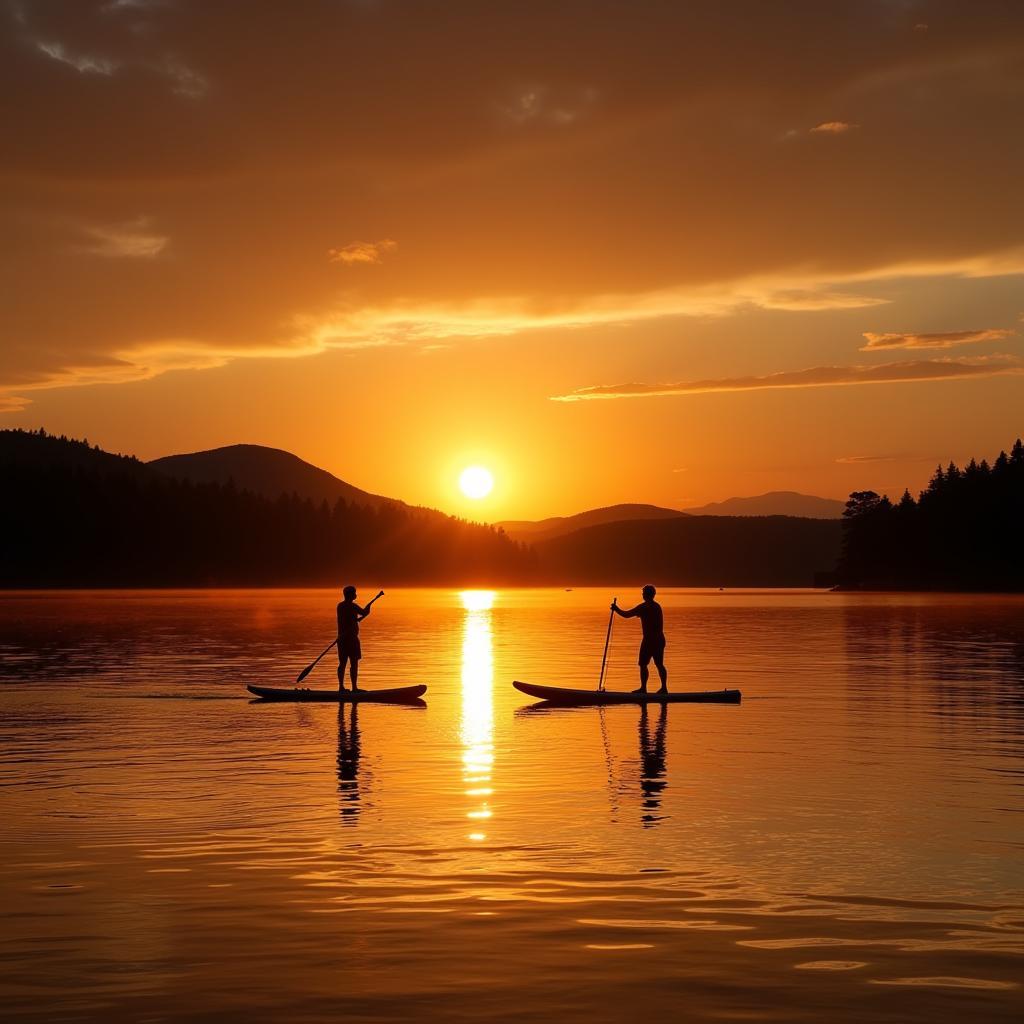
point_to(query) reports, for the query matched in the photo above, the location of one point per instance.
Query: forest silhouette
(961, 533)
(76, 516)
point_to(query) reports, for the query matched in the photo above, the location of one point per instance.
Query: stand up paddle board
(397, 695)
(566, 697)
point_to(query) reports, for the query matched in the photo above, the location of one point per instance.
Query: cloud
(816, 377)
(428, 326)
(185, 80)
(132, 239)
(810, 300)
(502, 316)
(944, 339)
(424, 325)
(362, 252)
(137, 363)
(862, 460)
(535, 106)
(113, 6)
(82, 63)
(833, 128)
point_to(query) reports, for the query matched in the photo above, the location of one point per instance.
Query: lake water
(846, 845)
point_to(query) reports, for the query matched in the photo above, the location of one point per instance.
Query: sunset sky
(611, 251)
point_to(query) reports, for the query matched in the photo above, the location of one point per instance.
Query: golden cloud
(425, 326)
(132, 239)
(362, 252)
(863, 460)
(815, 377)
(833, 128)
(943, 339)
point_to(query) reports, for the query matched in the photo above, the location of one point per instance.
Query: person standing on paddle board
(349, 649)
(652, 645)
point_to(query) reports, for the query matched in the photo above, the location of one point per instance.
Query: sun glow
(476, 482)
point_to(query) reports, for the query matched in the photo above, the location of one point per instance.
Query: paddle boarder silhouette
(652, 644)
(349, 648)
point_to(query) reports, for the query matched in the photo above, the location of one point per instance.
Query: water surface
(845, 845)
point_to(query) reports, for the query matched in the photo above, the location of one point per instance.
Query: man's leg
(354, 670)
(342, 658)
(645, 673)
(659, 664)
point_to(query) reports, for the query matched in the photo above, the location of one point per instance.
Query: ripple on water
(831, 965)
(940, 982)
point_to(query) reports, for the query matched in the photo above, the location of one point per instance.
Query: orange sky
(614, 251)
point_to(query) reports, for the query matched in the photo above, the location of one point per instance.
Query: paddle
(309, 668)
(607, 641)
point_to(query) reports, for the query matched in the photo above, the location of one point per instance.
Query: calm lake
(846, 845)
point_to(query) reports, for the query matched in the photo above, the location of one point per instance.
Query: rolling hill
(85, 518)
(269, 472)
(531, 532)
(774, 503)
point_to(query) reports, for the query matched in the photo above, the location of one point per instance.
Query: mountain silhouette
(269, 472)
(532, 531)
(87, 518)
(774, 503)
(253, 516)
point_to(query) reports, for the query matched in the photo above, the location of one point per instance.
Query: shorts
(651, 649)
(348, 647)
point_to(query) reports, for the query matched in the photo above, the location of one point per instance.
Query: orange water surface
(845, 845)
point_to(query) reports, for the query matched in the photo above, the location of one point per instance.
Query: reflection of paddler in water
(348, 763)
(652, 764)
(652, 644)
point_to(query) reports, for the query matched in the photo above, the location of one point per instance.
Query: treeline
(962, 533)
(76, 516)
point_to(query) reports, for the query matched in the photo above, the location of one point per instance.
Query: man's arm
(629, 613)
(361, 613)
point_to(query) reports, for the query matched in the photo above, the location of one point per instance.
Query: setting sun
(476, 482)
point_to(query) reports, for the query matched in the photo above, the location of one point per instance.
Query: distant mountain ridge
(530, 532)
(774, 503)
(269, 472)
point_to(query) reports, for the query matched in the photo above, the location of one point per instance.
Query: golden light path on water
(477, 726)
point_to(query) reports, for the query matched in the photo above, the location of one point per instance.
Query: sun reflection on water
(477, 731)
